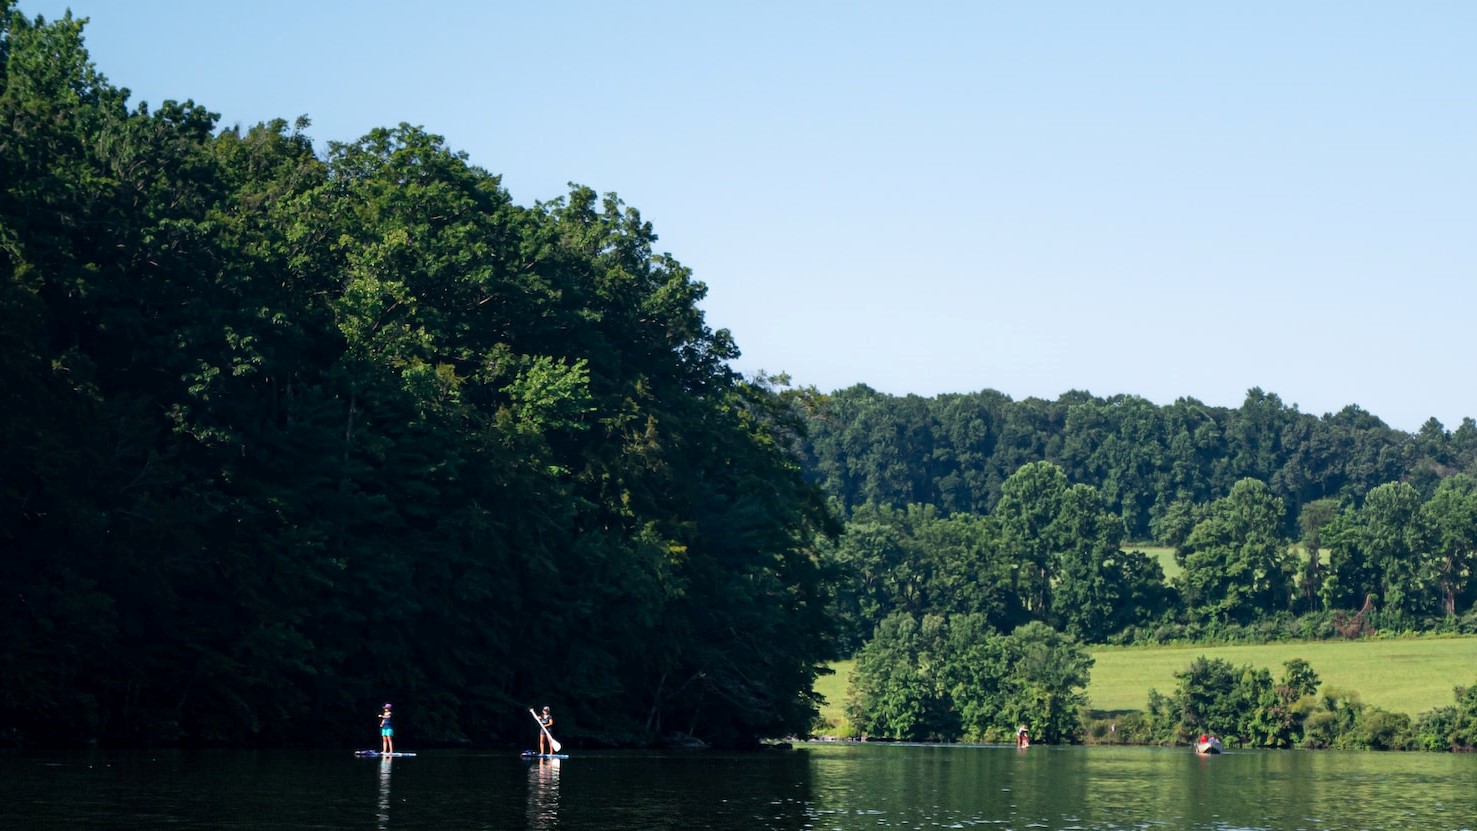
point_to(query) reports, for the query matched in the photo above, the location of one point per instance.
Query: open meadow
(832, 689)
(1406, 675)
(1164, 555)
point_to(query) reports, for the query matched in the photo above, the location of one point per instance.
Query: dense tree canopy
(285, 435)
(953, 677)
(956, 451)
(1056, 490)
(1237, 564)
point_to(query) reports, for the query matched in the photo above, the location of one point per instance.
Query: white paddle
(552, 742)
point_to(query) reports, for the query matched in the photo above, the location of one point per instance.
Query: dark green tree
(1237, 563)
(946, 678)
(1464, 723)
(1312, 519)
(979, 679)
(1100, 588)
(1206, 699)
(1030, 503)
(1047, 681)
(901, 682)
(1383, 550)
(1451, 516)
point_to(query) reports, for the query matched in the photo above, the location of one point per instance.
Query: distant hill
(954, 451)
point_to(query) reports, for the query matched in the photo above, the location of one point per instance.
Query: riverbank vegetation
(287, 433)
(1377, 694)
(1250, 706)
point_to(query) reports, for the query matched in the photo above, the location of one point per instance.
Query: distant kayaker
(387, 731)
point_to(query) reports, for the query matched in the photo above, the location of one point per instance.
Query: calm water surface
(818, 786)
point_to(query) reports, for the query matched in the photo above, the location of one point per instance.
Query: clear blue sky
(1157, 198)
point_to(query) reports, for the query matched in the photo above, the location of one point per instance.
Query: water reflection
(543, 794)
(383, 815)
(1108, 789)
(857, 787)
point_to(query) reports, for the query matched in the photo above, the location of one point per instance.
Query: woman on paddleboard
(547, 721)
(387, 731)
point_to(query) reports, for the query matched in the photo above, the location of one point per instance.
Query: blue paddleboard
(375, 754)
(529, 754)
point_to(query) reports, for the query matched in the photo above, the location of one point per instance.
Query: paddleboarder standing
(545, 722)
(387, 731)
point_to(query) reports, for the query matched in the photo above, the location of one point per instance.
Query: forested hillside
(956, 451)
(287, 435)
(986, 539)
(1028, 510)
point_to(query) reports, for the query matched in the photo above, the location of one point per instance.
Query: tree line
(286, 434)
(1052, 552)
(956, 451)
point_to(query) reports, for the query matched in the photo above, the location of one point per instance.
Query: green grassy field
(1165, 556)
(1172, 569)
(1405, 676)
(833, 689)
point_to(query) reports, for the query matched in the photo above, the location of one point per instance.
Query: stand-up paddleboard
(375, 754)
(529, 754)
